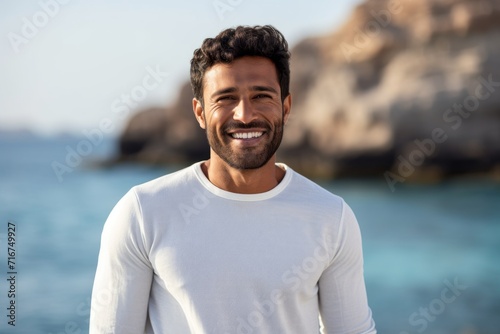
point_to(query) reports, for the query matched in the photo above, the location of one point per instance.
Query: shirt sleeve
(342, 294)
(124, 274)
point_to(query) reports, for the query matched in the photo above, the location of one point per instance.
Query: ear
(287, 107)
(198, 113)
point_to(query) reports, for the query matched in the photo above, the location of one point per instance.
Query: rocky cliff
(165, 135)
(404, 89)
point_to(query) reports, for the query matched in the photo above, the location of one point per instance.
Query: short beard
(248, 159)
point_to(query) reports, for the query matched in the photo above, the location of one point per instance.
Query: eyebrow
(253, 88)
(265, 89)
(224, 91)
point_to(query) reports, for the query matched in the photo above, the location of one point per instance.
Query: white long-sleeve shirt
(179, 255)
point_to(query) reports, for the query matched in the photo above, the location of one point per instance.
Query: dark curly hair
(231, 44)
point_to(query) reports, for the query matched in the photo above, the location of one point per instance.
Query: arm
(123, 278)
(342, 295)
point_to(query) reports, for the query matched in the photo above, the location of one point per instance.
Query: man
(237, 243)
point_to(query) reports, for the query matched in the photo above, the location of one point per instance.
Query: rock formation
(404, 89)
(165, 135)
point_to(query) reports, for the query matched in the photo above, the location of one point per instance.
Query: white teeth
(246, 135)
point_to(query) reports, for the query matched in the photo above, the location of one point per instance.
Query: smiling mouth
(246, 135)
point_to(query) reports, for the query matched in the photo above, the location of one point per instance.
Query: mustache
(231, 126)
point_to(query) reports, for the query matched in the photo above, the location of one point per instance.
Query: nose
(244, 112)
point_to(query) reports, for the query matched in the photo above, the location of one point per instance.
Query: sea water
(432, 252)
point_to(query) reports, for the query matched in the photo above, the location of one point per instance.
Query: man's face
(243, 114)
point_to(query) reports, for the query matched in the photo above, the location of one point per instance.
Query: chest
(242, 253)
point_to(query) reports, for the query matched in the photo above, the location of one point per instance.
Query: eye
(226, 98)
(262, 96)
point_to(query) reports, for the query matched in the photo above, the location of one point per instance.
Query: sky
(68, 66)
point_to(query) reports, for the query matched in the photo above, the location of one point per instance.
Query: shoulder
(145, 200)
(311, 199)
(161, 193)
(312, 191)
(326, 210)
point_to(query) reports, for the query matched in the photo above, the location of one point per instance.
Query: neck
(247, 181)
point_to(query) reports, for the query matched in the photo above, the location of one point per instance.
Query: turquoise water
(418, 241)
